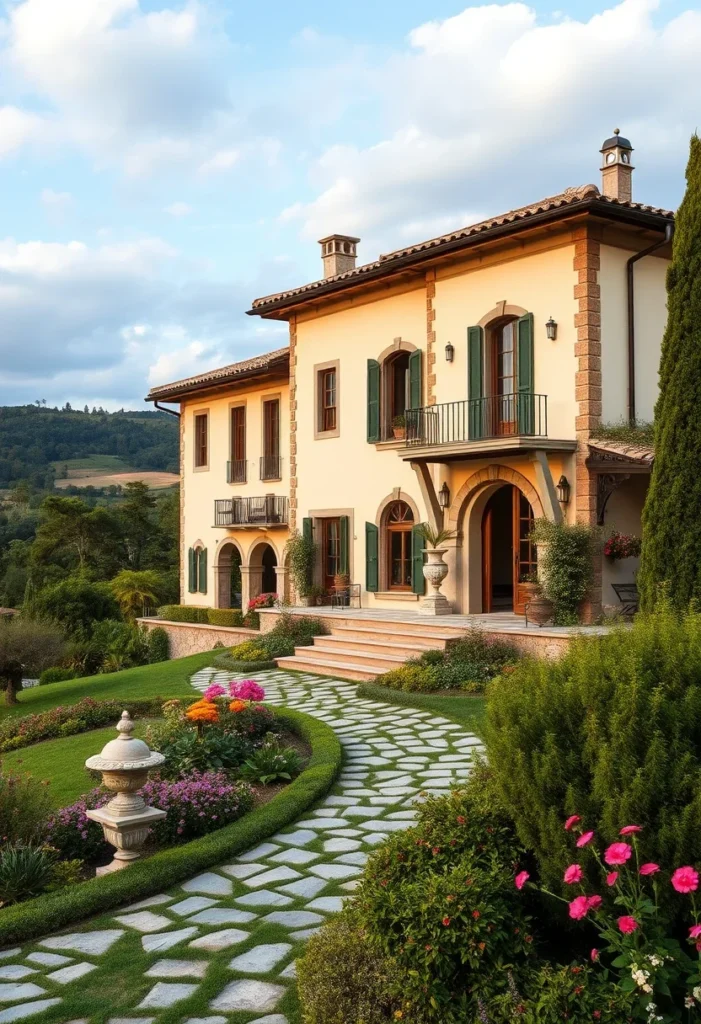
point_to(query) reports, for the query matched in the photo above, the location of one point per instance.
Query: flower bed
(289, 631)
(466, 665)
(87, 714)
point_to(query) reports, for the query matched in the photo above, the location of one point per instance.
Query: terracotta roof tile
(569, 198)
(225, 374)
(635, 452)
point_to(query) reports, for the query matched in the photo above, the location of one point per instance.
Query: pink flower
(585, 838)
(573, 874)
(685, 879)
(628, 830)
(573, 820)
(594, 902)
(618, 853)
(627, 925)
(695, 931)
(649, 869)
(215, 690)
(612, 878)
(521, 879)
(594, 955)
(579, 908)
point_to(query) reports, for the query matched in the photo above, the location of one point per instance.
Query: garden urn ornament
(435, 571)
(124, 764)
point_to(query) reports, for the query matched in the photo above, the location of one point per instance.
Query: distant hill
(37, 442)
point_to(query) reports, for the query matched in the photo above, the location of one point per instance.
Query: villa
(459, 381)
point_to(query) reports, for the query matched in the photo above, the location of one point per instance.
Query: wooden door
(487, 559)
(525, 553)
(330, 550)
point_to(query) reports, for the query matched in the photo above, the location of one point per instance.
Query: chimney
(617, 170)
(338, 254)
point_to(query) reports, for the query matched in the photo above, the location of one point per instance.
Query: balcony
(270, 467)
(236, 472)
(268, 511)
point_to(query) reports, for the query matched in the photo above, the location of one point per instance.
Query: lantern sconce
(563, 490)
(551, 329)
(449, 353)
(444, 496)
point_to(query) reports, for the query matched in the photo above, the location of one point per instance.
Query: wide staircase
(364, 651)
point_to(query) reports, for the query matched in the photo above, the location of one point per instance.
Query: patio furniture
(627, 594)
(347, 597)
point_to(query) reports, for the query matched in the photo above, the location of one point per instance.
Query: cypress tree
(671, 554)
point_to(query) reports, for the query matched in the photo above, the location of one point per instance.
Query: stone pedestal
(435, 571)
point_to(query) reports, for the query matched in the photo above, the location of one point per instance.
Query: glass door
(525, 551)
(331, 550)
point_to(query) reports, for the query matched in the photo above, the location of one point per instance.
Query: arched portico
(263, 563)
(228, 560)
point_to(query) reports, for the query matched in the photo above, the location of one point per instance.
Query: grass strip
(53, 911)
(465, 710)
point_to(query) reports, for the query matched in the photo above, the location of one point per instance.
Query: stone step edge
(384, 661)
(334, 669)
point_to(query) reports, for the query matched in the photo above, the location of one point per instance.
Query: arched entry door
(509, 556)
(229, 577)
(269, 578)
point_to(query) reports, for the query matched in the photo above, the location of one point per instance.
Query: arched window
(398, 546)
(395, 386)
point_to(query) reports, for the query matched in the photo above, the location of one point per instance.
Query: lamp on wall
(444, 496)
(551, 329)
(563, 490)
(449, 353)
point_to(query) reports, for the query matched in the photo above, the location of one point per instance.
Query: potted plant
(316, 595)
(341, 581)
(301, 554)
(539, 608)
(399, 427)
(622, 545)
(435, 570)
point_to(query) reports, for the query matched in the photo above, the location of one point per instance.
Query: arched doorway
(399, 522)
(228, 577)
(269, 576)
(509, 556)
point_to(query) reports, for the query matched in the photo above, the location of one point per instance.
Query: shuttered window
(418, 543)
(526, 373)
(475, 382)
(373, 401)
(372, 576)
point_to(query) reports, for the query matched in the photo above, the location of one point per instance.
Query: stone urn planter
(435, 571)
(126, 820)
(539, 609)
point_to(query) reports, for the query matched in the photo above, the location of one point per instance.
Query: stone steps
(386, 632)
(336, 669)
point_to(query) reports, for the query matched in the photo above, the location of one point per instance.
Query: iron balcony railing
(236, 472)
(270, 467)
(478, 419)
(268, 510)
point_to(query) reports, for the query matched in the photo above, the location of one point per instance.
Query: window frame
(265, 402)
(236, 409)
(200, 467)
(321, 370)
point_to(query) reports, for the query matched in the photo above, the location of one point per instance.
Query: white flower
(697, 993)
(689, 1002)
(655, 960)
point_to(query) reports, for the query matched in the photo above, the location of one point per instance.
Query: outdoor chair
(348, 597)
(627, 594)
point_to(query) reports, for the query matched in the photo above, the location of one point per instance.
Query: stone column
(246, 593)
(282, 582)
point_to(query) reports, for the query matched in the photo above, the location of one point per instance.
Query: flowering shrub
(73, 834)
(247, 689)
(250, 651)
(86, 714)
(203, 711)
(200, 803)
(621, 545)
(636, 947)
(468, 665)
(24, 806)
(262, 601)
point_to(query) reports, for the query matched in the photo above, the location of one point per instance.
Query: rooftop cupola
(617, 170)
(338, 253)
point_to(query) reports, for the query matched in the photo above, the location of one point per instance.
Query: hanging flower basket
(621, 545)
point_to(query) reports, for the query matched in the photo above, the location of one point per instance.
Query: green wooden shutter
(373, 401)
(475, 382)
(415, 381)
(372, 543)
(308, 530)
(191, 571)
(526, 371)
(345, 533)
(418, 543)
(202, 571)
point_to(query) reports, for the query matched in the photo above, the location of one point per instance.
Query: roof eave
(174, 394)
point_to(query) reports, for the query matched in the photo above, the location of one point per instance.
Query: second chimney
(338, 253)
(617, 170)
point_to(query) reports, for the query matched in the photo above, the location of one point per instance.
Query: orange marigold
(203, 711)
(237, 705)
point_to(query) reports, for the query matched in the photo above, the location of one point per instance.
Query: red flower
(573, 820)
(627, 925)
(594, 902)
(649, 869)
(695, 931)
(521, 879)
(573, 874)
(446, 922)
(618, 853)
(476, 914)
(461, 819)
(594, 956)
(579, 908)
(685, 879)
(612, 878)
(628, 830)
(585, 839)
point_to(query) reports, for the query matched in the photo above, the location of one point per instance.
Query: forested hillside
(32, 437)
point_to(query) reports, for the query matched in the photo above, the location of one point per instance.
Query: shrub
(467, 664)
(251, 620)
(411, 677)
(551, 993)
(65, 873)
(27, 647)
(262, 601)
(158, 645)
(112, 646)
(301, 552)
(249, 651)
(24, 807)
(343, 979)
(86, 714)
(73, 835)
(201, 803)
(213, 751)
(566, 565)
(272, 763)
(135, 590)
(56, 675)
(24, 871)
(76, 603)
(611, 732)
(183, 613)
(224, 617)
(289, 631)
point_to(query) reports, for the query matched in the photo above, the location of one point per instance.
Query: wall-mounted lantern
(449, 353)
(551, 329)
(563, 490)
(444, 496)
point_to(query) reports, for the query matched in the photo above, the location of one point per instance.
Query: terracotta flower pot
(539, 609)
(399, 433)
(341, 581)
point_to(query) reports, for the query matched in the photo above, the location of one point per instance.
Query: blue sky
(164, 162)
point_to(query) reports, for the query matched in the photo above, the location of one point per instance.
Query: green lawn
(470, 712)
(62, 762)
(167, 679)
(97, 463)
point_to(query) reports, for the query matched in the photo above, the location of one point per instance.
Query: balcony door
(504, 379)
(330, 550)
(270, 462)
(509, 556)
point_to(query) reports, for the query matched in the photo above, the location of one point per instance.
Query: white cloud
(17, 128)
(55, 202)
(178, 209)
(223, 160)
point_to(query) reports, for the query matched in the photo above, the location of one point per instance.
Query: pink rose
(579, 908)
(618, 853)
(649, 869)
(585, 838)
(685, 879)
(695, 931)
(521, 879)
(612, 878)
(573, 874)
(573, 820)
(628, 830)
(594, 902)
(627, 925)
(594, 955)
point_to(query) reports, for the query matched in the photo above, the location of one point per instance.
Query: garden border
(53, 911)
(226, 663)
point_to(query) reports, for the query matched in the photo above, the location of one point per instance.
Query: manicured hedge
(231, 665)
(53, 911)
(225, 617)
(183, 613)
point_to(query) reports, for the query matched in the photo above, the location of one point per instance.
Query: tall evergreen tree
(672, 515)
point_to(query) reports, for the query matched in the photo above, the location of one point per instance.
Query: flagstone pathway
(253, 915)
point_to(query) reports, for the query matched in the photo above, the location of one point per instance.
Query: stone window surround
(398, 345)
(318, 368)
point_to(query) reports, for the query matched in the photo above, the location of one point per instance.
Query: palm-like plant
(433, 537)
(136, 589)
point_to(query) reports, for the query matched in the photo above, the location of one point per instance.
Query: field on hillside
(106, 471)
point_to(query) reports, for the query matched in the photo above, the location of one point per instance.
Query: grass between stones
(465, 710)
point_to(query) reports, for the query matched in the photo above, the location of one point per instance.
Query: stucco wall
(195, 638)
(650, 320)
(623, 513)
